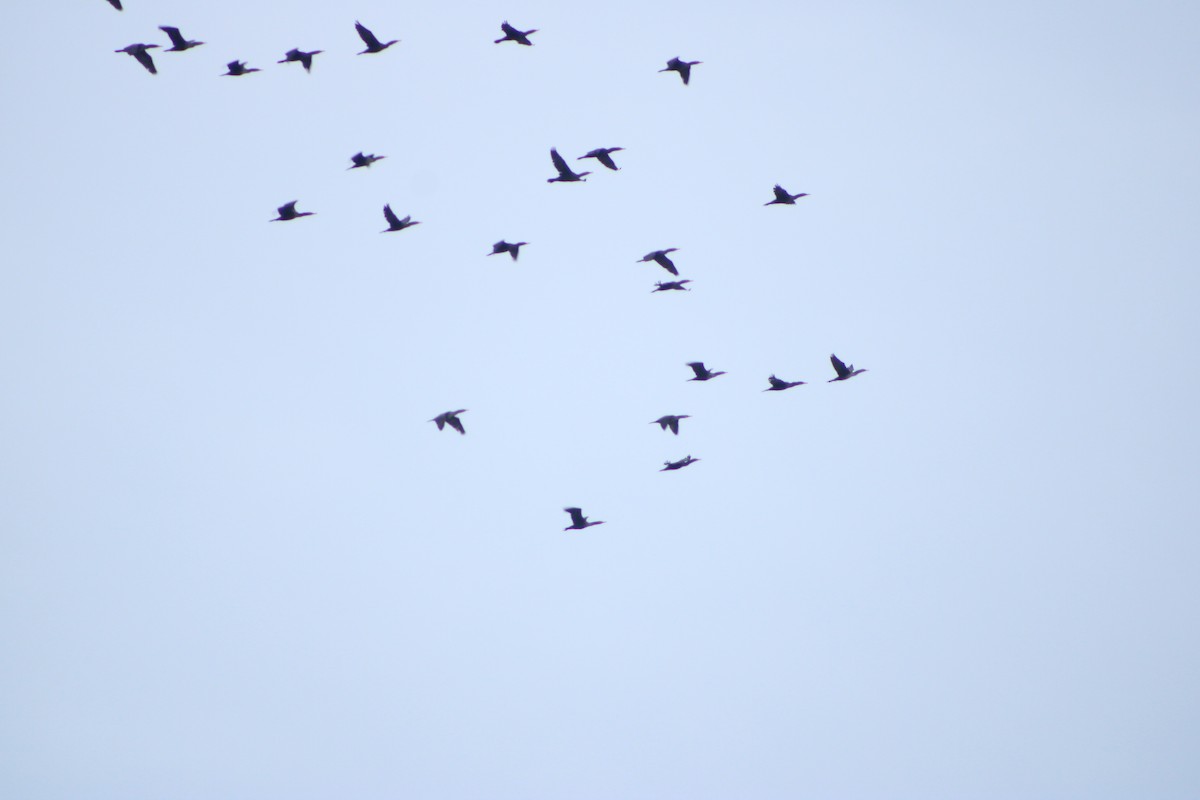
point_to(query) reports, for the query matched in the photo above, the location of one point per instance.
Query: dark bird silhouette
(360, 160)
(666, 286)
(684, 68)
(239, 68)
(450, 418)
(703, 373)
(782, 197)
(394, 222)
(372, 43)
(178, 43)
(680, 464)
(843, 372)
(603, 155)
(778, 386)
(670, 421)
(116, 4)
(579, 521)
(141, 53)
(300, 56)
(511, 34)
(660, 257)
(504, 247)
(288, 212)
(565, 174)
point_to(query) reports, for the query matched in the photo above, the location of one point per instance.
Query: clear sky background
(238, 561)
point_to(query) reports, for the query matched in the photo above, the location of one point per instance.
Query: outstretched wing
(116, 4)
(577, 517)
(510, 32)
(698, 368)
(666, 263)
(674, 425)
(838, 366)
(455, 423)
(392, 220)
(605, 159)
(368, 38)
(560, 163)
(781, 193)
(143, 58)
(176, 37)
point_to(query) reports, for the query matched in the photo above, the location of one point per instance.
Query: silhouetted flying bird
(843, 372)
(372, 43)
(139, 51)
(703, 373)
(394, 222)
(782, 196)
(288, 212)
(666, 286)
(603, 155)
(670, 421)
(680, 464)
(565, 174)
(684, 68)
(239, 68)
(511, 34)
(778, 386)
(360, 160)
(178, 43)
(505, 247)
(300, 56)
(579, 521)
(660, 257)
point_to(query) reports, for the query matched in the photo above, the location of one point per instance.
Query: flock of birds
(603, 155)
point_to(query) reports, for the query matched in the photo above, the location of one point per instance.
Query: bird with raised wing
(660, 257)
(507, 247)
(603, 155)
(703, 373)
(178, 43)
(684, 68)
(778, 385)
(782, 197)
(359, 160)
(394, 222)
(511, 34)
(142, 54)
(670, 421)
(300, 56)
(667, 286)
(565, 173)
(116, 4)
(843, 372)
(450, 418)
(239, 68)
(288, 212)
(680, 464)
(579, 521)
(373, 44)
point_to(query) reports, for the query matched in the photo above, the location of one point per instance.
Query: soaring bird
(372, 43)
(703, 373)
(511, 34)
(778, 386)
(843, 372)
(301, 56)
(139, 51)
(680, 464)
(288, 211)
(360, 160)
(394, 222)
(782, 197)
(579, 521)
(116, 4)
(505, 247)
(565, 174)
(670, 421)
(178, 43)
(666, 286)
(603, 155)
(660, 257)
(684, 68)
(450, 418)
(239, 68)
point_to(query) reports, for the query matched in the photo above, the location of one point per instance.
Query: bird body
(505, 247)
(360, 160)
(373, 44)
(684, 68)
(511, 34)
(178, 43)
(579, 521)
(660, 257)
(703, 373)
(301, 56)
(288, 212)
(603, 155)
(666, 286)
(239, 68)
(680, 464)
(778, 385)
(394, 222)
(565, 173)
(450, 418)
(783, 198)
(141, 53)
(843, 372)
(670, 421)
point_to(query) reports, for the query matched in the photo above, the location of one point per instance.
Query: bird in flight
(239, 68)
(140, 52)
(783, 198)
(670, 421)
(178, 43)
(579, 521)
(372, 43)
(511, 34)
(843, 372)
(450, 418)
(684, 68)
(394, 222)
(603, 155)
(288, 211)
(565, 173)
(360, 160)
(680, 464)
(703, 373)
(778, 386)
(505, 247)
(301, 56)
(660, 257)
(666, 286)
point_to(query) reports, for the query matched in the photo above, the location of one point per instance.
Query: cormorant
(450, 418)
(684, 68)
(239, 68)
(504, 247)
(579, 521)
(360, 160)
(511, 34)
(288, 211)
(670, 421)
(782, 196)
(394, 222)
(778, 386)
(372, 43)
(843, 372)
(660, 257)
(664, 286)
(565, 174)
(301, 56)
(139, 51)
(178, 43)
(680, 464)
(702, 372)
(603, 155)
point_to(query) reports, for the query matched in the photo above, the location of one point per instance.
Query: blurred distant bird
(778, 386)
(843, 372)
(116, 4)
(511, 34)
(703, 373)
(680, 464)
(359, 160)
(603, 155)
(239, 68)
(288, 212)
(373, 44)
(178, 43)
(782, 196)
(579, 521)
(666, 286)
(670, 421)
(139, 51)
(504, 247)
(394, 222)
(565, 174)
(660, 257)
(301, 56)
(450, 418)
(684, 68)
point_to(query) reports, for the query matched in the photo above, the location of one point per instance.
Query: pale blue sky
(238, 561)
